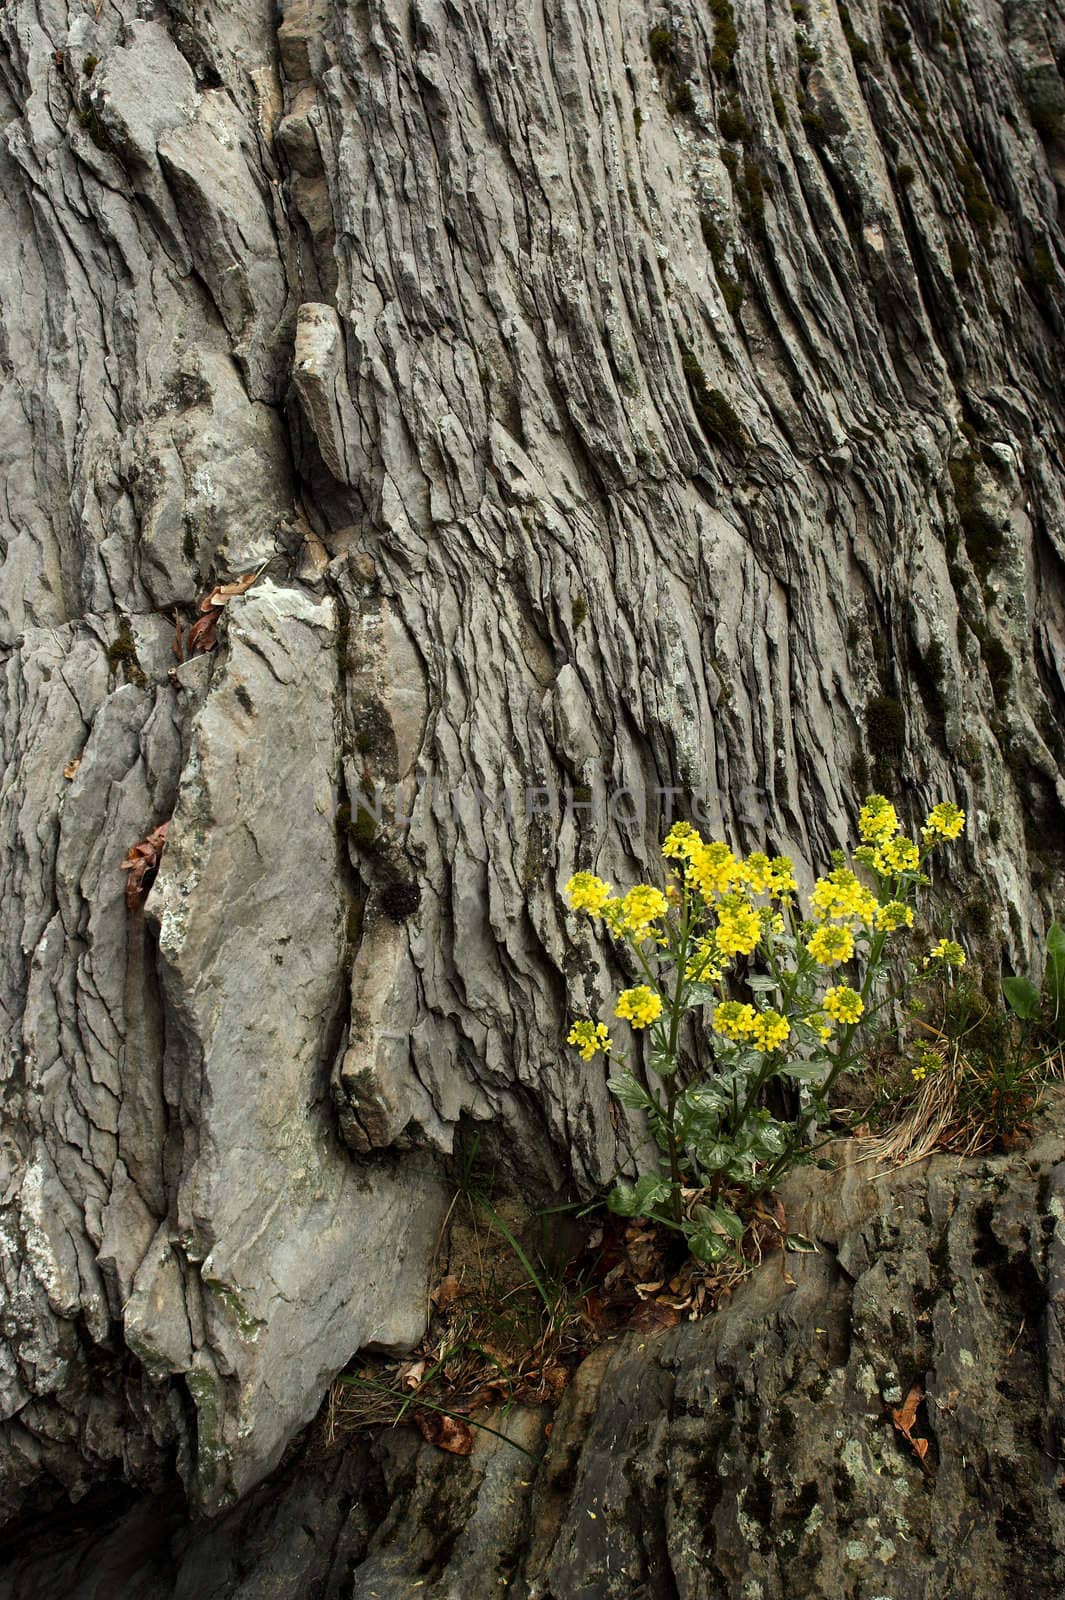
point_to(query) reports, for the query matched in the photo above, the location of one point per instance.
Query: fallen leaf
(71, 767)
(203, 635)
(447, 1433)
(646, 1289)
(905, 1417)
(413, 1375)
(142, 863)
(652, 1316)
(446, 1292)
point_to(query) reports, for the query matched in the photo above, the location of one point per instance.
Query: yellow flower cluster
(831, 945)
(704, 964)
(770, 1031)
(949, 952)
(877, 819)
(641, 907)
(586, 892)
(589, 1038)
(739, 926)
(680, 841)
(944, 821)
(896, 855)
(894, 915)
(734, 1020)
(713, 869)
(843, 1004)
(841, 895)
(919, 1074)
(639, 1006)
(764, 1030)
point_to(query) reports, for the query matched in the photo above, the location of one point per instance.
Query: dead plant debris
(142, 864)
(203, 634)
(512, 1317)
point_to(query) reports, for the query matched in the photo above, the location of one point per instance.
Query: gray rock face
(616, 416)
(753, 1454)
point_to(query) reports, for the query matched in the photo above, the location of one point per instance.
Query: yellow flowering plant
(785, 993)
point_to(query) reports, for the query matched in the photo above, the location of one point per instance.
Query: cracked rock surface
(753, 1454)
(611, 398)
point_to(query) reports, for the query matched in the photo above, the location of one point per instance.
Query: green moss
(579, 610)
(726, 39)
(897, 39)
(718, 418)
(994, 830)
(978, 916)
(808, 54)
(999, 666)
(860, 774)
(682, 103)
(661, 45)
(885, 723)
(363, 828)
(905, 174)
(979, 207)
(960, 260)
(780, 110)
(858, 47)
(752, 196)
(984, 536)
(731, 122)
(927, 672)
(815, 125)
(122, 656)
(89, 65)
(732, 290)
(637, 120)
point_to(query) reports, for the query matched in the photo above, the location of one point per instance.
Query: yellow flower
(949, 952)
(843, 1004)
(639, 1006)
(841, 895)
(713, 868)
(781, 877)
(734, 1020)
(586, 892)
(681, 840)
(896, 855)
(919, 1074)
(589, 1037)
(830, 946)
(944, 821)
(894, 915)
(877, 820)
(704, 963)
(738, 927)
(757, 872)
(770, 1031)
(640, 908)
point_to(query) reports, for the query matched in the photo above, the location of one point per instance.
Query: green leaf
(762, 983)
(631, 1094)
(800, 1243)
(701, 994)
(1023, 996)
(639, 1199)
(709, 1247)
(1054, 979)
(662, 1062)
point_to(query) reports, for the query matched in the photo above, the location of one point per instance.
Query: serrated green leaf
(631, 1094)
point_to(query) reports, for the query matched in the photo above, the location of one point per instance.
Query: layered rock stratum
(625, 409)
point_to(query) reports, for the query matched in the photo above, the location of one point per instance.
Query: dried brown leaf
(447, 1433)
(446, 1292)
(71, 768)
(142, 863)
